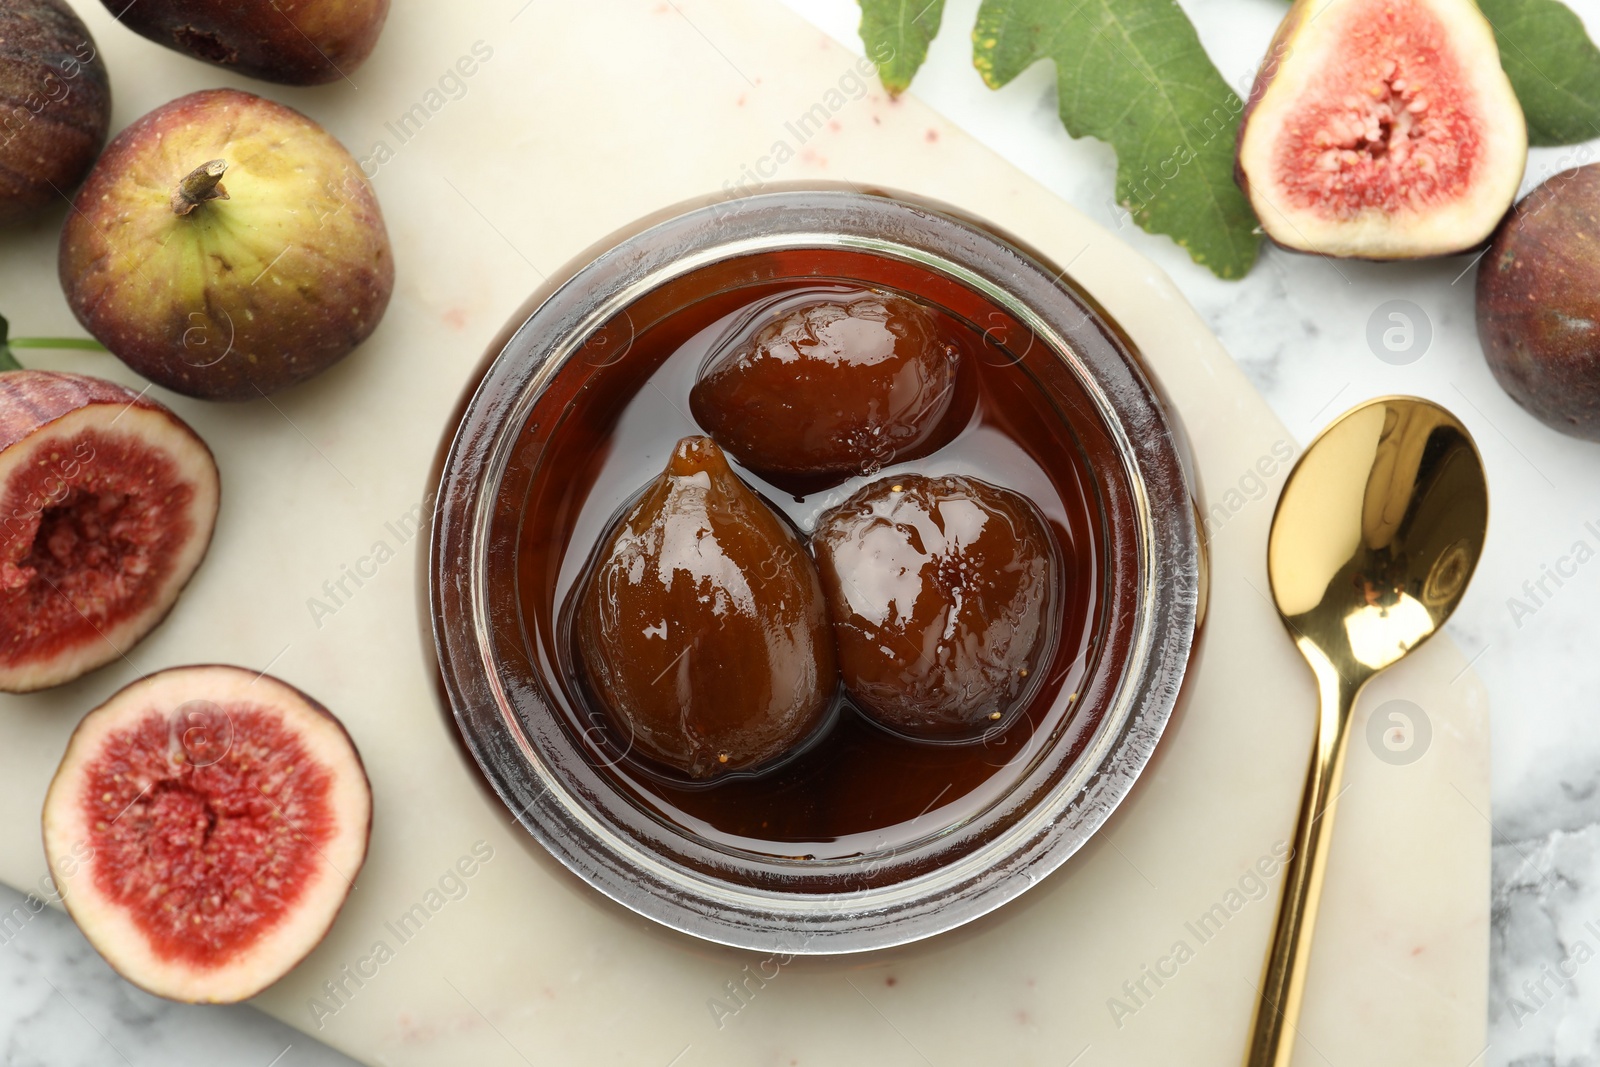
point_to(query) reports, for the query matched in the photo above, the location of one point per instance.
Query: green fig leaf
(897, 32)
(1553, 66)
(7, 360)
(1133, 73)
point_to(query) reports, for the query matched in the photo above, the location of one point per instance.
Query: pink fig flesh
(1382, 129)
(107, 503)
(204, 829)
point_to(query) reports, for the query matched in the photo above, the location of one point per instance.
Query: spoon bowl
(1375, 537)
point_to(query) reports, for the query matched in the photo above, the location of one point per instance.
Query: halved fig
(107, 502)
(204, 829)
(1382, 129)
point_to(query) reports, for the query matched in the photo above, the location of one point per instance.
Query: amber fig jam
(918, 743)
(701, 626)
(844, 384)
(942, 597)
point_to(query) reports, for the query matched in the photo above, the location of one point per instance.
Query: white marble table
(1299, 327)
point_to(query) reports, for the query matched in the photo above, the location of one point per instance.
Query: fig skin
(214, 787)
(1538, 303)
(72, 598)
(1376, 205)
(942, 595)
(841, 386)
(243, 295)
(292, 42)
(55, 105)
(701, 627)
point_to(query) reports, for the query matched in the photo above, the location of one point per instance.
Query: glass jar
(506, 531)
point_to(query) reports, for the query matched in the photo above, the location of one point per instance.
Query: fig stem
(201, 184)
(88, 344)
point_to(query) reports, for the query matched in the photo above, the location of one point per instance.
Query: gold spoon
(1378, 529)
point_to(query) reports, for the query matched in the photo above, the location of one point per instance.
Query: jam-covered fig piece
(942, 593)
(701, 626)
(839, 386)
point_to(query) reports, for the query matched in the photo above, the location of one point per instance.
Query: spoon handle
(1283, 980)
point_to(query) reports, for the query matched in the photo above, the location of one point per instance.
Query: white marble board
(577, 120)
